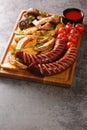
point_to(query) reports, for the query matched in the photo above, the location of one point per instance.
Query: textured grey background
(26, 105)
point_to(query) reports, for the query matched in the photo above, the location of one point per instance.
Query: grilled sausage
(50, 56)
(55, 67)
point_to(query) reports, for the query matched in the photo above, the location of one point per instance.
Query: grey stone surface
(26, 105)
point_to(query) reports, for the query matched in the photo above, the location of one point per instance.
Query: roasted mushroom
(32, 11)
(29, 16)
(26, 22)
(23, 24)
(34, 17)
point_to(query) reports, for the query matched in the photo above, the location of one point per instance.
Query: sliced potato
(14, 62)
(11, 59)
(51, 33)
(30, 44)
(8, 66)
(18, 37)
(23, 42)
(47, 50)
(30, 30)
(29, 51)
(46, 45)
(20, 65)
(12, 46)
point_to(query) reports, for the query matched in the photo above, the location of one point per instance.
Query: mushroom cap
(32, 11)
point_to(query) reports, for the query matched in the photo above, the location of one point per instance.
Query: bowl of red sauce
(73, 16)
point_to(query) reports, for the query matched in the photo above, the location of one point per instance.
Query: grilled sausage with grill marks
(55, 67)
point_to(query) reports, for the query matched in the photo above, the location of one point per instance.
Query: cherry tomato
(62, 36)
(75, 32)
(61, 30)
(69, 44)
(68, 27)
(80, 27)
(65, 29)
(72, 38)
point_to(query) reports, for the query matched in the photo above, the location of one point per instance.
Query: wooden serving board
(64, 79)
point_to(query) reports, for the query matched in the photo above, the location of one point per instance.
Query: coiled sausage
(55, 67)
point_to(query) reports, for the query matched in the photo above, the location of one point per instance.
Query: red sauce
(73, 15)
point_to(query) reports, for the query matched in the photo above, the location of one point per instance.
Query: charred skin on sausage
(50, 56)
(55, 67)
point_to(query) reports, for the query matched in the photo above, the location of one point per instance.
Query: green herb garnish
(31, 19)
(14, 51)
(38, 44)
(21, 32)
(18, 59)
(41, 37)
(53, 26)
(46, 32)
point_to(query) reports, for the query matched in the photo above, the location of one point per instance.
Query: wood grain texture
(64, 79)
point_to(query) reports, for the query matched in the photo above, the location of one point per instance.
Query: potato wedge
(29, 51)
(46, 45)
(24, 41)
(30, 30)
(20, 65)
(8, 66)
